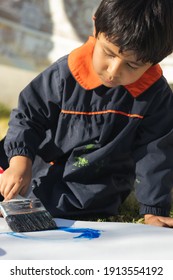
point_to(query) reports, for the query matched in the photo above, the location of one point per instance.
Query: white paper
(83, 240)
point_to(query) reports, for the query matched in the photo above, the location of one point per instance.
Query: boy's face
(114, 68)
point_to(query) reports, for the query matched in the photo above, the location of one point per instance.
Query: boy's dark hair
(142, 26)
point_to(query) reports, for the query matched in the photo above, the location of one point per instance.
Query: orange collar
(145, 81)
(80, 64)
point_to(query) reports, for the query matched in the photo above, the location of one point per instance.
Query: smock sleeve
(37, 111)
(154, 158)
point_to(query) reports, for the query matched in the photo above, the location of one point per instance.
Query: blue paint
(18, 235)
(85, 233)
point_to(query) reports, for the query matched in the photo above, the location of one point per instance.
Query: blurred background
(34, 34)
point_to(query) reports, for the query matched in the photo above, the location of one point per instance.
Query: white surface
(167, 66)
(118, 241)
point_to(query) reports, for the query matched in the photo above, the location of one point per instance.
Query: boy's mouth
(112, 83)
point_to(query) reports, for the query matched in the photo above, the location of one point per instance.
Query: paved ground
(12, 81)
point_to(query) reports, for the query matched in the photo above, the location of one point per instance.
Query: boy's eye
(108, 54)
(132, 67)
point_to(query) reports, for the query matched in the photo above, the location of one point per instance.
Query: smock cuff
(20, 152)
(157, 211)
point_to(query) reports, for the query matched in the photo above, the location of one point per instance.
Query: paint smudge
(84, 233)
(81, 162)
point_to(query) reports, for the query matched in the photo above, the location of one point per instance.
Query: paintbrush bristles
(23, 215)
(35, 221)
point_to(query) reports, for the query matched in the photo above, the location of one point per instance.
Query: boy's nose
(114, 68)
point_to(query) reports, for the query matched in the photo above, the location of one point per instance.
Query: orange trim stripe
(102, 112)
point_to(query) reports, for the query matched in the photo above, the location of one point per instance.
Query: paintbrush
(26, 214)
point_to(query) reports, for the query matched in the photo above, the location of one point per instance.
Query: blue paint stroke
(85, 233)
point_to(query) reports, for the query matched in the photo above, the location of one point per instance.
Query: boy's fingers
(23, 191)
(155, 222)
(159, 221)
(167, 220)
(12, 191)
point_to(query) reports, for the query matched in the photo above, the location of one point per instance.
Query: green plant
(4, 111)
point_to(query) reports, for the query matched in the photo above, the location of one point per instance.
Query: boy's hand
(158, 220)
(16, 178)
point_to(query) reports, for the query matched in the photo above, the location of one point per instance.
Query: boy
(104, 116)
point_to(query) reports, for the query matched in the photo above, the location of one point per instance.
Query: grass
(3, 127)
(129, 212)
(4, 118)
(4, 111)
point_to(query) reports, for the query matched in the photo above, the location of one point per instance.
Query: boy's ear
(94, 28)
(94, 31)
